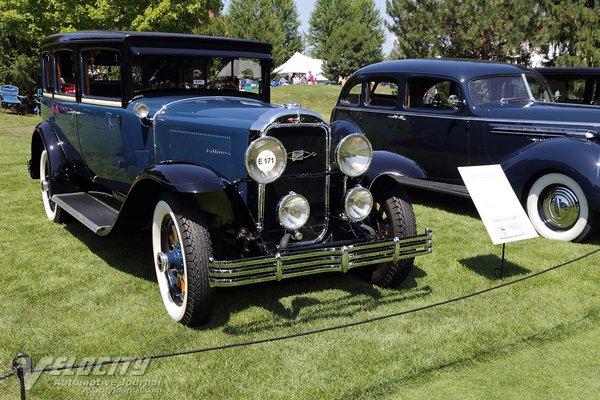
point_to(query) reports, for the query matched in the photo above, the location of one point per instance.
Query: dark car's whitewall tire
(558, 208)
(181, 247)
(53, 212)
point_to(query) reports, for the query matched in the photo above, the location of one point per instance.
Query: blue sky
(305, 8)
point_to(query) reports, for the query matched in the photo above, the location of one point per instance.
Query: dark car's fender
(198, 180)
(388, 168)
(576, 158)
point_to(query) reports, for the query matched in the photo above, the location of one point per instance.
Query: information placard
(497, 204)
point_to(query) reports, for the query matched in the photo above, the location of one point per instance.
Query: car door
(433, 127)
(100, 121)
(64, 107)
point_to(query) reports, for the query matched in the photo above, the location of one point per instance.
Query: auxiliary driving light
(358, 203)
(266, 159)
(293, 211)
(354, 154)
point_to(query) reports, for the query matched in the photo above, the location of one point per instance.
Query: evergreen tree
(329, 15)
(571, 32)
(351, 46)
(490, 29)
(274, 21)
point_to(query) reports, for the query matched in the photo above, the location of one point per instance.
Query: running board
(87, 209)
(446, 188)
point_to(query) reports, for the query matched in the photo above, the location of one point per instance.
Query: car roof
(155, 39)
(569, 71)
(457, 68)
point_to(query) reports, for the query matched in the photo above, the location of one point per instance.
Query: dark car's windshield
(504, 89)
(155, 72)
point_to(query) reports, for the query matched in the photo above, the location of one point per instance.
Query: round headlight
(358, 203)
(293, 211)
(266, 159)
(354, 154)
(141, 110)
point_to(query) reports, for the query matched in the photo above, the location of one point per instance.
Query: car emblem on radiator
(299, 155)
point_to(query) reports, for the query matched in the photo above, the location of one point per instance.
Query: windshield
(156, 72)
(504, 89)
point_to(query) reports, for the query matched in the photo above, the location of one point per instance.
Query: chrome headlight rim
(349, 198)
(250, 161)
(284, 219)
(341, 162)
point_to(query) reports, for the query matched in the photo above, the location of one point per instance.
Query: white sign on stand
(497, 204)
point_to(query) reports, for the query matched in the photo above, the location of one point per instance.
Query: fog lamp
(358, 203)
(293, 211)
(266, 159)
(354, 154)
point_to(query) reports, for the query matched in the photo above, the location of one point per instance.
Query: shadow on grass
(130, 252)
(488, 266)
(287, 301)
(453, 204)
(308, 303)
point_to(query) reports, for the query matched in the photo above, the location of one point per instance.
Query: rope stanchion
(21, 369)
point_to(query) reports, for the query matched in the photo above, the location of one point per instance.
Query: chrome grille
(304, 175)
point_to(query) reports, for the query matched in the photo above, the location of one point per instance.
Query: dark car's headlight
(293, 211)
(266, 159)
(354, 154)
(358, 203)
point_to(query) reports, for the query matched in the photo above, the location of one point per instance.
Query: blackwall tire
(53, 212)
(558, 208)
(392, 215)
(184, 284)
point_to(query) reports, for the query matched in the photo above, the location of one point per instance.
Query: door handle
(396, 116)
(73, 112)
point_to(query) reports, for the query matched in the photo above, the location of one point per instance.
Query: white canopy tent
(301, 64)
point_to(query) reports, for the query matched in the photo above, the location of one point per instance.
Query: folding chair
(9, 95)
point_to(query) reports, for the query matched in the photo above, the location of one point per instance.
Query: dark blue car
(154, 130)
(443, 114)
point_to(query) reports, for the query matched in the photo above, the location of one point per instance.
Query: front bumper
(328, 258)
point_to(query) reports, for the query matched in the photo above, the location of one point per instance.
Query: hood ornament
(299, 155)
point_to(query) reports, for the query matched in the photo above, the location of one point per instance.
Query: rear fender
(61, 175)
(576, 158)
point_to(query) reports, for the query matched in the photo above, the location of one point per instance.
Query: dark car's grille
(308, 144)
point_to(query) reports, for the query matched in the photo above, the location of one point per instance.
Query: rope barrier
(18, 369)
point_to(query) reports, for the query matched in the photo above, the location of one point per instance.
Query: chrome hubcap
(170, 261)
(559, 208)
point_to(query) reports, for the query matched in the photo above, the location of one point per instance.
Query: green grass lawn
(67, 293)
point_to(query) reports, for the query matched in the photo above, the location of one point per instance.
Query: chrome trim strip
(328, 259)
(99, 102)
(260, 207)
(471, 118)
(70, 98)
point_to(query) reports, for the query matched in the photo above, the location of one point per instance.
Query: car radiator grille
(308, 145)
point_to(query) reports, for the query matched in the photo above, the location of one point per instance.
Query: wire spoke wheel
(392, 216)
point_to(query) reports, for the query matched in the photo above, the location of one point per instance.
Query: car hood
(541, 112)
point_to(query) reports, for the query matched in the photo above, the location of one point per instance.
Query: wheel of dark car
(53, 212)
(181, 246)
(558, 208)
(392, 216)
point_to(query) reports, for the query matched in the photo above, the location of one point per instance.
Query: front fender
(577, 158)
(184, 177)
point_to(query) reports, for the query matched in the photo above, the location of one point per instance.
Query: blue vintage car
(443, 114)
(152, 130)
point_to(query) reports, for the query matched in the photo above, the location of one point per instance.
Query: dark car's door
(433, 127)
(64, 104)
(100, 112)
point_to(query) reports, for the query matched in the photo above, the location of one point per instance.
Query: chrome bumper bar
(326, 259)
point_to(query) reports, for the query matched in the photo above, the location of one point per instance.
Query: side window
(351, 93)
(433, 94)
(382, 93)
(65, 73)
(101, 73)
(48, 72)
